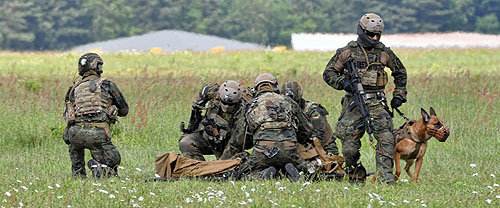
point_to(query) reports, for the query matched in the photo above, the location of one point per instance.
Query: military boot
(96, 168)
(268, 173)
(292, 172)
(356, 173)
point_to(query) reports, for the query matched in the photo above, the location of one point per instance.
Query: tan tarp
(172, 165)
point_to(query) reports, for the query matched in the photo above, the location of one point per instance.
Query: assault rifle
(359, 97)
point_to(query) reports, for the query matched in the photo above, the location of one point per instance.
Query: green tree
(15, 17)
(488, 24)
(110, 19)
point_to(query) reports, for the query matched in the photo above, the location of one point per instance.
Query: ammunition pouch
(69, 113)
(103, 125)
(274, 125)
(112, 112)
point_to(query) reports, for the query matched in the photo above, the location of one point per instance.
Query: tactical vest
(367, 62)
(313, 106)
(90, 102)
(220, 125)
(270, 111)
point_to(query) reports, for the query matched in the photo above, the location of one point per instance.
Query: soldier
(370, 56)
(276, 124)
(92, 104)
(221, 115)
(316, 114)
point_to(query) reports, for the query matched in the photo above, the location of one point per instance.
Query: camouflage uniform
(213, 130)
(96, 103)
(276, 124)
(317, 116)
(370, 63)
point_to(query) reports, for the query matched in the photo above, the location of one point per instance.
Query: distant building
(330, 42)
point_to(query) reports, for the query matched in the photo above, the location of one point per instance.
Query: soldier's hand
(348, 87)
(396, 102)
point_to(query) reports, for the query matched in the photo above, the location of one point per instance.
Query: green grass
(462, 85)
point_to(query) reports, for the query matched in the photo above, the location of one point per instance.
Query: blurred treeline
(61, 24)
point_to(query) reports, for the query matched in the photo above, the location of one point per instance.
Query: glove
(396, 102)
(348, 86)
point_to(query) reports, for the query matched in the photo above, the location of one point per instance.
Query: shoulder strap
(78, 83)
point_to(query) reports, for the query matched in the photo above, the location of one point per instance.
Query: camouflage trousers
(194, 146)
(260, 159)
(331, 146)
(350, 130)
(101, 149)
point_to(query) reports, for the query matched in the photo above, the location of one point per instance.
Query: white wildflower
(19, 181)
(69, 206)
(60, 197)
(250, 200)
(7, 193)
(370, 195)
(417, 199)
(103, 191)
(270, 192)
(301, 189)
(141, 198)
(495, 185)
(138, 169)
(369, 206)
(247, 194)
(111, 196)
(31, 183)
(346, 188)
(306, 183)
(37, 178)
(404, 180)
(156, 175)
(253, 190)
(317, 190)
(21, 204)
(406, 201)
(242, 203)
(475, 174)
(127, 179)
(392, 203)
(498, 196)
(474, 192)
(50, 187)
(96, 184)
(488, 201)
(24, 187)
(16, 190)
(121, 167)
(58, 186)
(424, 205)
(135, 205)
(381, 202)
(152, 194)
(122, 181)
(472, 165)
(232, 182)
(243, 187)
(281, 188)
(278, 183)
(492, 175)
(490, 187)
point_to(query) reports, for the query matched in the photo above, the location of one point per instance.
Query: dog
(411, 141)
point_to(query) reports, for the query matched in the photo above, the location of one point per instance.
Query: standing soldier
(316, 114)
(221, 116)
(92, 104)
(276, 124)
(370, 57)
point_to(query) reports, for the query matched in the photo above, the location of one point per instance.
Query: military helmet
(266, 78)
(90, 62)
(229, 92)
(292, 90)
(372, 23)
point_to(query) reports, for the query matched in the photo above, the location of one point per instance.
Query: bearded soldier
(276, 124)
(92, 104)
(370, 57)
(316, 114)
(221, 116)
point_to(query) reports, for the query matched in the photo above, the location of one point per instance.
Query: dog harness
(403, 132)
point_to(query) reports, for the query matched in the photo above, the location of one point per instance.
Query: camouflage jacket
(110, 92)
(316, 114)
(270, 117)
(370, 63)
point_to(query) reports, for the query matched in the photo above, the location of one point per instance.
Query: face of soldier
(372, 35)
(228, 107)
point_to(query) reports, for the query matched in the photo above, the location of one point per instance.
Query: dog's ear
(432, 112)
(425, 116)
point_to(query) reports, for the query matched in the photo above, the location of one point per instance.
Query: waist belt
(275, 143)
(368, 94)
(101, 125)
(274, 125)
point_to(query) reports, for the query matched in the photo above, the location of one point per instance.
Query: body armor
(270, 111)
(367, 62)
(90, 101)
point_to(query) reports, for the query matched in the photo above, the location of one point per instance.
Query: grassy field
(462, 85)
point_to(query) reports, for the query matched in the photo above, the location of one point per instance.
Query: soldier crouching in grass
(276, 124)
(92, 104)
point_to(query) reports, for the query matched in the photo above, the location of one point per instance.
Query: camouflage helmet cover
(265, 78)
(372, 23)
(229, 92)
(293, 90)
(88, 62)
